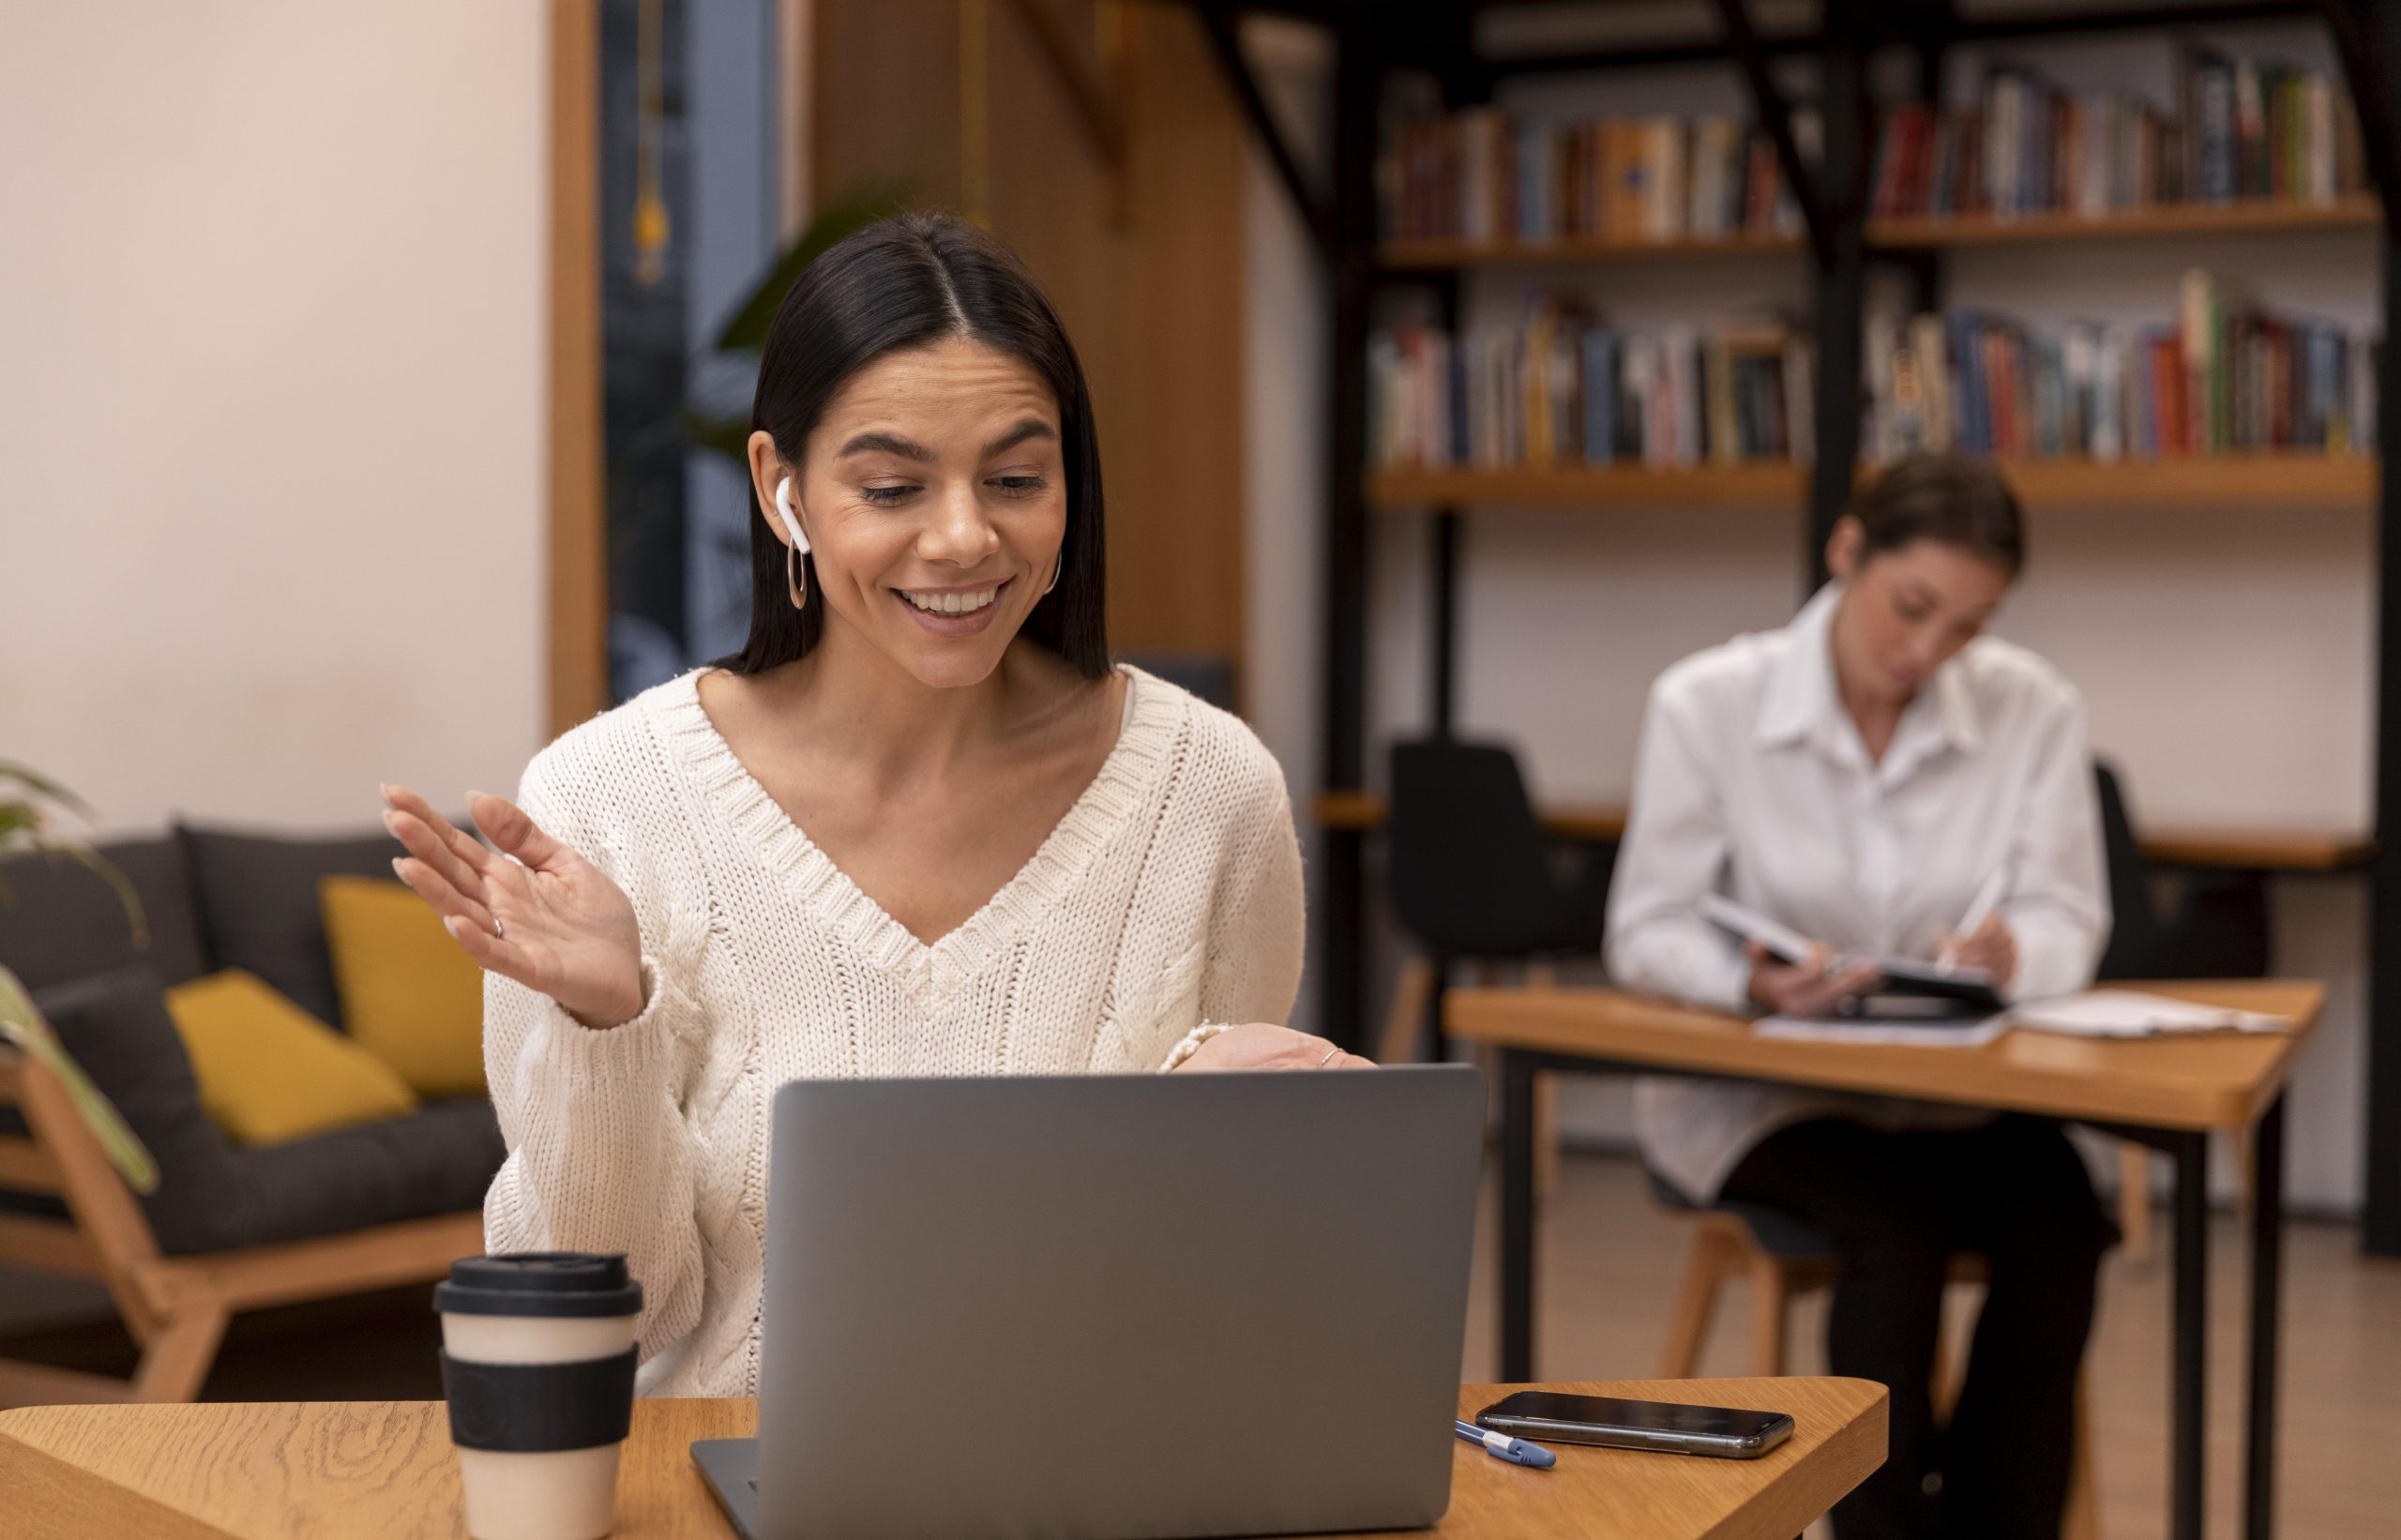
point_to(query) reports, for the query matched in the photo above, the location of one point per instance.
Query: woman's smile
(953, 612)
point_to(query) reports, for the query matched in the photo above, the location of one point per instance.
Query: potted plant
(28, 805)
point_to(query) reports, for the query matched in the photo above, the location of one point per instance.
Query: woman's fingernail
(395, 869)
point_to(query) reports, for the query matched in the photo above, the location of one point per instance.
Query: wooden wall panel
(577, 669)
(1146, 270)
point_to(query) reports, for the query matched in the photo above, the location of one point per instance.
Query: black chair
(1475, 878)
(2217, 928)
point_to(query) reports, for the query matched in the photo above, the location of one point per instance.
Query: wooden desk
(2237, 850)
(2171, 1093)
(384, 1471)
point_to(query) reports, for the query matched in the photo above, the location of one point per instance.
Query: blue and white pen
(1516, 1451)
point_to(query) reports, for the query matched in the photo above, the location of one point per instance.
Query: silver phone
(1723, 1432)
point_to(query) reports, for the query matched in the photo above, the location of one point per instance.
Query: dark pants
(1897, 1207)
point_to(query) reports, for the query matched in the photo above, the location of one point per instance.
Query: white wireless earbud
(783, 506)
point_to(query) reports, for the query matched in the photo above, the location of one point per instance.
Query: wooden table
(2287, 850)
(384, 1471)
(2170, 1092)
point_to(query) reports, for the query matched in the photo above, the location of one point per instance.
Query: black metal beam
(1443, 665)
(2367, 73)
(1358, 78)
(1841, 278)
(2368, 39)
(1974, 29)
(2124, 19)
(1224, 28)
(1775, 116)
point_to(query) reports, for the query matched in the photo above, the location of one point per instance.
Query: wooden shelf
(2269, 480)
(1756, 485)
(2278, 480)
(2251, 850)
(2356, 211)
(1438, 255)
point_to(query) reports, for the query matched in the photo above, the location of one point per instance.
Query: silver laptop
(1110, 1306)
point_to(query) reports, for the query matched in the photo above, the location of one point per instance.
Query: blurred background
(371, 371)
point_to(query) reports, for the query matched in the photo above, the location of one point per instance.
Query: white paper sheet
(2128, 1013)
(1961, 1034)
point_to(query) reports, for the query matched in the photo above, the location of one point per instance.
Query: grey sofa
(222, 898)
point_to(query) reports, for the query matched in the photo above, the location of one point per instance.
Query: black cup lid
(540, 1283)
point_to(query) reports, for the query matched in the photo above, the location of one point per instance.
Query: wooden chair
(1791, 1261)
(176, 1307)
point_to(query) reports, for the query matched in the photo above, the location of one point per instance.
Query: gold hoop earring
(794, 583)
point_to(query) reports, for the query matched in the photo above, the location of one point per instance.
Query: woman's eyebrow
(890, 444)
(1032, 427)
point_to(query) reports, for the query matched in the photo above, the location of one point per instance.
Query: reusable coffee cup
(537, 1365)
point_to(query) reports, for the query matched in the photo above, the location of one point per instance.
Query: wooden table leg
(2267, 1275)
(1517, 1216)
(2187, 1387)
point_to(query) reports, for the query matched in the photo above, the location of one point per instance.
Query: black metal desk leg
(1517, 1216)
(2267, 1277)
(2191, 1333)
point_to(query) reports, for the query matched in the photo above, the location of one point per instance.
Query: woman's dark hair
(1953, 498)
(904, 282)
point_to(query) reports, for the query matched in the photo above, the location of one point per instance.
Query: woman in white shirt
(919, 825)
(1861, 775)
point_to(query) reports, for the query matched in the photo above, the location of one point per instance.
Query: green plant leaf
(106, 870)
(22, 1025)
(727, 436)
(23, 822)
(747, 329)
(43, 787)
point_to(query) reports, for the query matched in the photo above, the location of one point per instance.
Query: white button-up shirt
(1752, 782)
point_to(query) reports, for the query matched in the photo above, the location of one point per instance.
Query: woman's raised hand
(536, 912)
(1262, 1044)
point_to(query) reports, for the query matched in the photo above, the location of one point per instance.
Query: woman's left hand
(1260, 1045)
(1993, 947)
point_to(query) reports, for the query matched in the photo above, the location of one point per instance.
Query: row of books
(2224, 377)
(1481, 175)
(1558, 390)
(2266, 131)
(2240, 130)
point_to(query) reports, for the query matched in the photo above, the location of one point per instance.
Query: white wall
(2225, 654)
(272, 411)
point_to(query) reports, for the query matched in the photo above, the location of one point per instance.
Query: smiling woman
(915, 379)
(918, 825)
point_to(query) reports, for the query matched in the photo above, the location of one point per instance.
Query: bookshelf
(2278, 482)
(1839, 244)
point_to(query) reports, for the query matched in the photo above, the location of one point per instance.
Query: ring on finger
(498, 932)
(1330, 1052)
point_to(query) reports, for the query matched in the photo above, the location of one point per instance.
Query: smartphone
(1724, 1431)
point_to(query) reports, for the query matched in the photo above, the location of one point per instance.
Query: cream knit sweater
(1167, 900)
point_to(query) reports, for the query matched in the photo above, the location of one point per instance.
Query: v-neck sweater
(1166, 905)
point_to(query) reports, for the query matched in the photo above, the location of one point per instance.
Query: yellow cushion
(269, 1071)
(409, 995)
